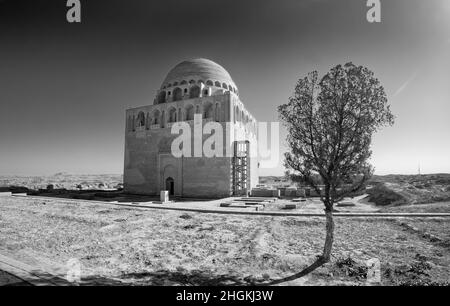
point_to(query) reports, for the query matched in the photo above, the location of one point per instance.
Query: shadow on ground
(168, 278)
(195, 278)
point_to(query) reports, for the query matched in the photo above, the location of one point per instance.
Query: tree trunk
(326, 250)
(329, 235)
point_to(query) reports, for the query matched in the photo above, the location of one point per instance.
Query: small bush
(351, 268)
(382, 195)
(186, 216)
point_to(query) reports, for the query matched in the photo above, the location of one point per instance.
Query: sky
(64, 87)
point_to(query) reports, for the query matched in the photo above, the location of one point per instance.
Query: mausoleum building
(202, 87)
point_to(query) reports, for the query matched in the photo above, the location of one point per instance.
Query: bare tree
(330, 124)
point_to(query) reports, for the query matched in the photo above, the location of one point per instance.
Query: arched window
(156, 117)
(169, 85)
(195, 92)
(163, 119)
(216, 113)
(190, 112)
(209, 83)
(192, 82)
(141, 119)
(217, 84)
(207, 110)
(224, 85)
(183, 82)
(162, 97)
(175, 83)
(177, 94)
(173, 114)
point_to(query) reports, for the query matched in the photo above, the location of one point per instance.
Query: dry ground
(439, 207)
(118, 245)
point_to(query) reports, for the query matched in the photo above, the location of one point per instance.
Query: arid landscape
(396, 190)
(61, 180)
(136, 246)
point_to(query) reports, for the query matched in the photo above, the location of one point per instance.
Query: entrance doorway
(170, 186)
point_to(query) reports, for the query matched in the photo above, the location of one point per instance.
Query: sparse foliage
(330, 123)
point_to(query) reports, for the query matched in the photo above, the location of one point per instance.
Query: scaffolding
(241, 169)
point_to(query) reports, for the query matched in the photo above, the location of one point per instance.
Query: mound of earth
(382, 195)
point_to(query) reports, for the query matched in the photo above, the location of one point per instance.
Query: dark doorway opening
(170, 185)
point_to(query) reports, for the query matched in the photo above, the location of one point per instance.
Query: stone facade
(192, 87)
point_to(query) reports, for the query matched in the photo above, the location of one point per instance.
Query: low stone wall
(260, 192)
(295, 192)
(288, 192)
(282, 191)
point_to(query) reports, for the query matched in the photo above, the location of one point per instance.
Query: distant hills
(63, 180)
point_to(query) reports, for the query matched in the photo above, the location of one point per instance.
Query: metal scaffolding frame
(241, 167)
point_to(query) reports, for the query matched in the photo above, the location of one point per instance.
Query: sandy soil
(117, 245)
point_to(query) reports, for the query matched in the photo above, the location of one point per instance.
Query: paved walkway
(13, 272)
(213, 207)
(7, 279)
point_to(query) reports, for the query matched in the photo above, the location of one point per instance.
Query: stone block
(164, 196)
(290, 206)
(260, 192)
(276, 193)
(307, 192)
(291, 192)
(300, 192)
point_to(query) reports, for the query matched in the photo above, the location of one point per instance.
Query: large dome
(199, 69)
